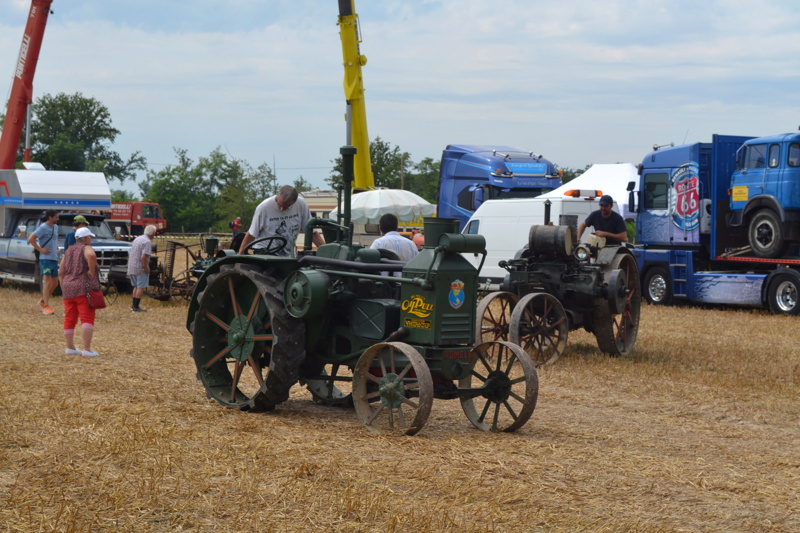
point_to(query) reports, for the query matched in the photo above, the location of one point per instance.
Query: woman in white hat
(78, 273)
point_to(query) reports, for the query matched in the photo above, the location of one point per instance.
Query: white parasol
(369, 206)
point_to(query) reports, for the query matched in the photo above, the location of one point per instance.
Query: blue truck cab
(765, 193)
(690, 246)
(471, 174)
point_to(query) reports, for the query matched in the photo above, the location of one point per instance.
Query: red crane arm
(22, 90)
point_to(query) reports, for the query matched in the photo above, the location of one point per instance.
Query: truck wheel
(658, 286)
(765, 234)
(246, 347)
(783, 294)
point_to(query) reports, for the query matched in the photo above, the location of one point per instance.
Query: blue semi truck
(471, 174)
(719, 222)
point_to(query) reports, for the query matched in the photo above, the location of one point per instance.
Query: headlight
(582, 253)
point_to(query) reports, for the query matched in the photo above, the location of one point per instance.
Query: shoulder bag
(95, 297)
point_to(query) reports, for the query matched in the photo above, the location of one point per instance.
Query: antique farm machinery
(338, 321)
(175, 270)
(553, 287)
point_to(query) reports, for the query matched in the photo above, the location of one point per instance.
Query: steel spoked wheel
(493, 317)
(505, 387)
(392, 389)
(181, 286)
(333, 386)
(110, 291)
(246, 347)
(616, 326)
(539, 325)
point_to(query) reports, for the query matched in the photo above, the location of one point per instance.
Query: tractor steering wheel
(276, 244)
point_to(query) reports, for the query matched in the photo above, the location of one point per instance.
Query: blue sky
(579, 81)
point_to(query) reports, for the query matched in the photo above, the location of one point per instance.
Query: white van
(506, 223)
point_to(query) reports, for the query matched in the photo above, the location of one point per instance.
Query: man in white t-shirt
(405, 248)
(283, 215)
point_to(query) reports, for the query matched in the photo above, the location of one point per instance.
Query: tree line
(74, 132)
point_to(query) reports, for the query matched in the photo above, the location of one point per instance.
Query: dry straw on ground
(699, 430)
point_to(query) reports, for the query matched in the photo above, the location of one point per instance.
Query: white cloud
(579, 81)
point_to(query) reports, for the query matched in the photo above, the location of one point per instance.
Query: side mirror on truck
(631, 196)
(21, 232)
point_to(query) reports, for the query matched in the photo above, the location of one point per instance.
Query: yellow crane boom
(354, 94)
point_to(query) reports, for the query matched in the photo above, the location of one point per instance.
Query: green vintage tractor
(341, 323)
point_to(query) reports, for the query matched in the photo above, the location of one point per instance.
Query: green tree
(184, 193)
(425, 179)
(121, 195)
(390, 166)
(240, 197)
(569, 174)
(196, 196)
(302, 185)
(73, 132)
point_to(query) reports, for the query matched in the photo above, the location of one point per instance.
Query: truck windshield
(519, 193)
(96, 225)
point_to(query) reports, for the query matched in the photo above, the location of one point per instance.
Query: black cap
(606, 200)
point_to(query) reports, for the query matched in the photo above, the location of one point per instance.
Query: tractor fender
(283, 265)
(607, 254)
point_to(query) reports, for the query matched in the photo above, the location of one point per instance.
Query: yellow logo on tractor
(416, 306)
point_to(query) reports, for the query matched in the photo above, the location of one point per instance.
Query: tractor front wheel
(539, 325)
(493, 316)
(392, 389)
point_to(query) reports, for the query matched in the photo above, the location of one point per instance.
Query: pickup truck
(26, 194)
(18, 261)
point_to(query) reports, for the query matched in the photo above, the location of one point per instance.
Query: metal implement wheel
(181, 285)
(765, 234)
(392, 389)
(505, 384)
(110, 291)
(493, 317)
(539, 325)
(783, 293)
(332, 386)
(246, 347)
(275, 244)
(658, 286)
(615, 330)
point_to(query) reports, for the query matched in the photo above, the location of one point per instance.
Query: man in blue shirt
(606, 223)
(78, 222)
(45, 241)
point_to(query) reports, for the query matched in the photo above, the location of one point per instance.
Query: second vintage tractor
(553, 287)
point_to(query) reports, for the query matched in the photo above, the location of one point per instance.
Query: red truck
(130, 218)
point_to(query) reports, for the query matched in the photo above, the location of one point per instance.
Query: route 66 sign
(685, 197)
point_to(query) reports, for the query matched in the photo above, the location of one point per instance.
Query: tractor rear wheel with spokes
(615, 320)
(246, 346)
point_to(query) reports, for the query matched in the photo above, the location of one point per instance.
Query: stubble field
(698, 430)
